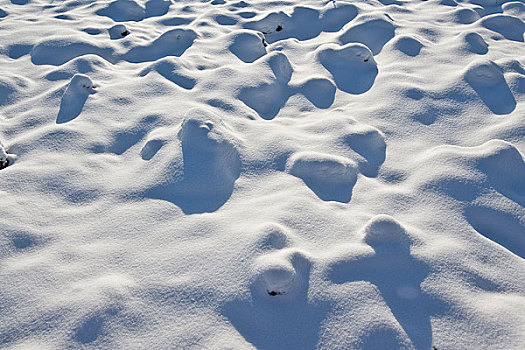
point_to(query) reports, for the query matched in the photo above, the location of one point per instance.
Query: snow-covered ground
(262, 174)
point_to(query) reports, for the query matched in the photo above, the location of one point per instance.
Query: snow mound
(118, 31)
(201, 179)
(271, 87)
(409, 45)
(369, 143)
(510, 27)
(330, 177)
(281, 67)
(487, 79)
(384, 234)
(475, 43)
(514, 8)
(304, 23)
(262, 174)
(372, 32)
(504, 165)
(352, 66)
(8, 90)
(279, 279)
(467, 171)
(466, 16)
(173, 42)
(74, 98)
(397, 275)
(247, 46)
(123, 11)
(273, 236)
(156, 8)
(280, 273)
(57, 51)
(173, 71)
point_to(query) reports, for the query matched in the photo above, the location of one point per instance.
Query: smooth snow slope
(262, 174)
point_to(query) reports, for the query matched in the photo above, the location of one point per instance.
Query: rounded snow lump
(383, 232)
(352, 66)
(330, 177)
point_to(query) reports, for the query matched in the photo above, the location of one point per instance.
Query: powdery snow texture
(225, 174)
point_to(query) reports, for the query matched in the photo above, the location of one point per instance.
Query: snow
(262, 174)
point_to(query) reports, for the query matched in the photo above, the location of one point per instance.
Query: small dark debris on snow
(273, 293)
(4, 164)
(125, 33)
(279, 28)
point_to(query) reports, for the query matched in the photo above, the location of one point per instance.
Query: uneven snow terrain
(262, 174)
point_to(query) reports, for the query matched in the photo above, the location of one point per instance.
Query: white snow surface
(262, 174)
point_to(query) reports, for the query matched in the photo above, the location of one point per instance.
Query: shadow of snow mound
(8, 89)
(272, 236)
(505, 168)
(268, 99)
(512, 28)
(466, 16)
(58, 51)
(304, 23)
(374, 33)
(247, 46)
(331, 178)
(487, 79)
(370, 144)
(319, 91)
(130, 10)
(384, 337)
(396, 274)
(171, 43)
(150, 149)
(156, 8)
(475, 43)
(409, 45)
(514, 8)
(502, 228)
(280, 316)
(271, 93)
(74, 98)
(90, 329)
(173, 71)
(203, 180)
(352, 66)
(465, 172)
(123, 10)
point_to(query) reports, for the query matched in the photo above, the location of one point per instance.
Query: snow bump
(352, 66)
(330, 177)
(487, 79)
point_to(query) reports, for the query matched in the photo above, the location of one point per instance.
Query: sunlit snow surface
(262, 174)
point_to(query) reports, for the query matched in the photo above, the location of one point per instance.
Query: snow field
(262, 174)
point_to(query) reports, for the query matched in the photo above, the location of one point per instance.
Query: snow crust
(259, 174)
